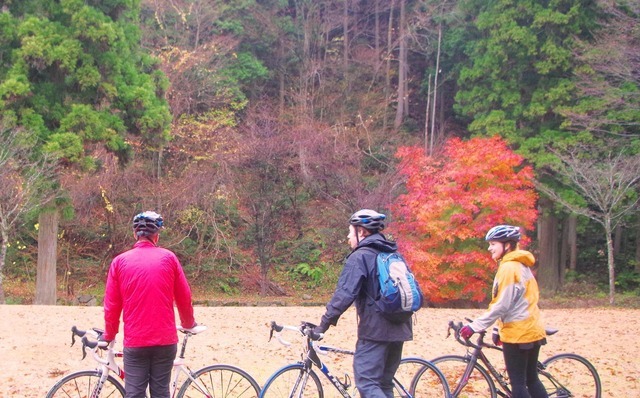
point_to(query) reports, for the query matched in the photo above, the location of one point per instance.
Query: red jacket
(143, 284)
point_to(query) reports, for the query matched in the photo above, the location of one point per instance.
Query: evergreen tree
(73, 74)
(520, 68)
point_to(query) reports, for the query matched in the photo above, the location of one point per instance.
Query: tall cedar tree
(451, 202)
(74, 75)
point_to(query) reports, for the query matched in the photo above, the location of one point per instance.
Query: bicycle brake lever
(84, 349)
(272, 328)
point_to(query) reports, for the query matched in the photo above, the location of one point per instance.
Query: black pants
(148, 366)
(522, 370)
(374, 365)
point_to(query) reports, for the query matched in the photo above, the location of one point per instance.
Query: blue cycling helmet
(504, 233)
(368, 219)
(147, 223)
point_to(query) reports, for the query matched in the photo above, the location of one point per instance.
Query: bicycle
(299, 379)
(107, 380)
(560, 374)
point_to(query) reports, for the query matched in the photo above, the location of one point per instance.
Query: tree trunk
(617, 240)
(428, 145)
(435, 87)
(572, 240)
(47, 254)
(345, 32)
(377, 27)
(564, 249)
(387, 73)
(610, 261)
(548, 274)
(638, 245)
(3, 258)
(402, 69)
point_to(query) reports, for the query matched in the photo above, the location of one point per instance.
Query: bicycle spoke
(569, 375)
(478, 385)
(420, 378)
(293, 382)
(220, 381)
(82, 385)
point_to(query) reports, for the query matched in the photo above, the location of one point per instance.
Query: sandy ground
(35, 342)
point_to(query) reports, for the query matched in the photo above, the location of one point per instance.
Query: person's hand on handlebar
(317, 333)
(495, 337)
(466, 332)
(101, 338)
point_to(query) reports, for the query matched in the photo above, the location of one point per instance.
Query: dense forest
(256, 127)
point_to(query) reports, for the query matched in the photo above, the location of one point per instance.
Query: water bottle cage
(347, 381)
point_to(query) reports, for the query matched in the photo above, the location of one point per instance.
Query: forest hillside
(257, 127)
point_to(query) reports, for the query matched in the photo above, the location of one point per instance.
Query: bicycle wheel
(419, 378)
(293, 381)
(82, 384)
(479, 384)
(220, 381)
(570, 375)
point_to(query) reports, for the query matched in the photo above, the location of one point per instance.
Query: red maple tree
(451, 202)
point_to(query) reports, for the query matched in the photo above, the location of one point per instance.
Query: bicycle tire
(480, 383)
(81, 384)
(420, 378)
(293, 381)
(220, 381)
(576, 376)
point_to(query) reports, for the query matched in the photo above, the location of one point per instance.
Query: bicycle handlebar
(480, 343)
(305, 329)
(467, 342)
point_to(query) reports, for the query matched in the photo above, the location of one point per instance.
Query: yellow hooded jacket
(514, 301)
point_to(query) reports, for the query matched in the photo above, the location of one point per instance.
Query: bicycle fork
(95, 393)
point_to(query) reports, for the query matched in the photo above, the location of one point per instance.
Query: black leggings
(523, 372)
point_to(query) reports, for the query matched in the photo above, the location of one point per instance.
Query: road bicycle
(220, 381)
(299, 379)
(472, 375)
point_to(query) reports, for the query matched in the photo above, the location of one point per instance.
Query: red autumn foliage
(451, 202)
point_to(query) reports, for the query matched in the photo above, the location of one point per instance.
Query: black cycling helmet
(504, 233)
(368, 219)
(147, 223)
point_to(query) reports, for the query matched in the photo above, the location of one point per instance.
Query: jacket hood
(522, 256)
(379, 242)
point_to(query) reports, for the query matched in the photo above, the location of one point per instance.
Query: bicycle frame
(179, 367)
(311, 358)
(475, 354)
(109, 365)
(106, 365)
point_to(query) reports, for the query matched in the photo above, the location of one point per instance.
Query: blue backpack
(399, 294)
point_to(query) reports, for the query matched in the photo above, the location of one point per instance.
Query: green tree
(517, 78)
(519, 69)
(74, 74)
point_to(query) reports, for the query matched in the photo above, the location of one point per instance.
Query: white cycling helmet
(504, 233)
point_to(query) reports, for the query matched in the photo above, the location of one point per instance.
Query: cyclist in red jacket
(142, 285)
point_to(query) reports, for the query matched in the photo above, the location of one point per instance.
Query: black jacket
(358, 283)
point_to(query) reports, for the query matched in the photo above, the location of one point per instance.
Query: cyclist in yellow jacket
(514, 305)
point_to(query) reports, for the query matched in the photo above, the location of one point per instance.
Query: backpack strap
(374, 272)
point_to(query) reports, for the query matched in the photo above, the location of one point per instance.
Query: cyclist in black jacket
(379, 346)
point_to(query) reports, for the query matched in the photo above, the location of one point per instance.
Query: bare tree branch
(606, 177)
(24, 178)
